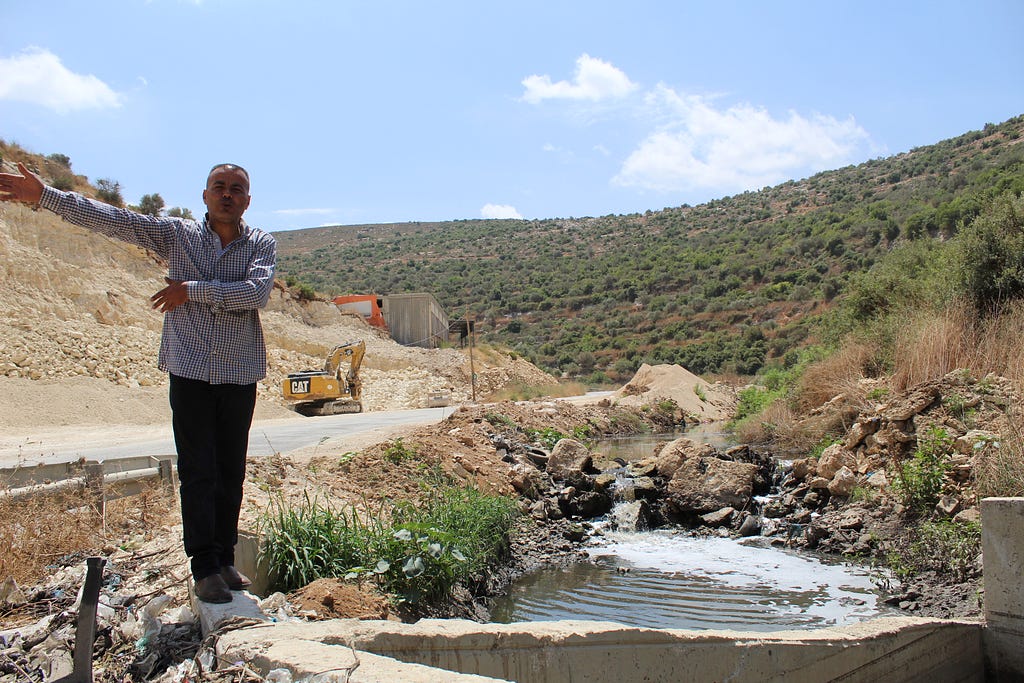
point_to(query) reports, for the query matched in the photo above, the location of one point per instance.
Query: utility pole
(472, 369)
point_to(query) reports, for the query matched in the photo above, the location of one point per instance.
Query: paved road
(265, 438)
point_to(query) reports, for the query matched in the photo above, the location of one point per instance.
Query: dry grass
(932, 344)
(999, 471)
(840, 373)
(788, 431)
(37, 532)
(522, 392)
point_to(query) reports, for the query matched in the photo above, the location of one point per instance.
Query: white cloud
(594, 80)
(499, 211)
(738, 148)
(37, 76)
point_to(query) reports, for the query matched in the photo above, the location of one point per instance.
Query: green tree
(109, 191)
(179, 212)
(991, 253)
(61, 159)
(151, 204)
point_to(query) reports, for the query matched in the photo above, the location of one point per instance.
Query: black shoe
(235, 579)
(213, 589)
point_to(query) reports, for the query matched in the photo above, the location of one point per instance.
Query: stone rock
(843, 482)
(804, 467)
(646, 468)
(528, 481)
(818, 483)
(860, 430)
(947, 506)
(750, 526)
(967, 443)
(878, 480)
(912, 403)
(585, 504)
(718, 518)
(674, 453)
(851, 519)
(774, 509)
(834, 458)
(632, 516)
(971, 515)
(569, 459)
(707, 484)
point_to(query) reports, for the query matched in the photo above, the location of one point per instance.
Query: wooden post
(472, 370)
(94, 486)
(166, 468)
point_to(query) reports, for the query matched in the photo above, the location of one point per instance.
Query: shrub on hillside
(990, 253)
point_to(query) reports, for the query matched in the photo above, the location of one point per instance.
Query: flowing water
(668, 579)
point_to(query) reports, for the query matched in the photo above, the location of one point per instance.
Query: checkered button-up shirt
(216, 335)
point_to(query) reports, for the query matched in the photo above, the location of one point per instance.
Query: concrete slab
(1003, 552)
(244, 609)
(908, 650)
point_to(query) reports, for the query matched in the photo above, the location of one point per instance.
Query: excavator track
(319, 409)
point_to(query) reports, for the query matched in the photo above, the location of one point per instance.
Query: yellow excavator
(330, 391)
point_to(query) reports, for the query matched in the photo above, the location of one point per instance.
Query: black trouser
(211, 433)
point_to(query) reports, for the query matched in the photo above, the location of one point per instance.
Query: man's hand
(26, 188)
(171, 296)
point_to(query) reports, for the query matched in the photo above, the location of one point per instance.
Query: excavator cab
(335, 389)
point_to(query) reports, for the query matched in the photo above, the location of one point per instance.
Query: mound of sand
(696, 397)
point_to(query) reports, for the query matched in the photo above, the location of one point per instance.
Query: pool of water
(666, 579)
(638, 446)
(669, 579)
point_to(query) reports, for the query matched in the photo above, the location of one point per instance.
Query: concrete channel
(433, 650)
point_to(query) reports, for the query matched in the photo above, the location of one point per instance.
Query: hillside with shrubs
(734, 286)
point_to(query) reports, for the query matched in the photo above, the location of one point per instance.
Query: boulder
(804, 467)
(834, 458)
(674, 453)
(843, 482)
(702, 485)
(569, 460)
(585, 504)
(718, 518)
(633, 516)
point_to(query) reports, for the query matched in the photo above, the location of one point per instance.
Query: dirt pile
(699, 400)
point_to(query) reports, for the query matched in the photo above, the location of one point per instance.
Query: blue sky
(368, 112)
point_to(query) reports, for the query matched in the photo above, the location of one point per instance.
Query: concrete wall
(903, 649)
(416, 319)
(1002, 524)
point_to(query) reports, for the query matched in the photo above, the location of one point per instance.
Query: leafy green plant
(919, 479)
(699, 390)
(946, 547)
(311, 540)
(397, 452)
(878, 393)
(958, 406)
(499, 420)
(820, 447)
(546, 436)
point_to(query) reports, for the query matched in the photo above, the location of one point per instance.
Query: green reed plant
(416, 552)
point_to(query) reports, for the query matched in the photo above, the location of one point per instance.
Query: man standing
(221, 271)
